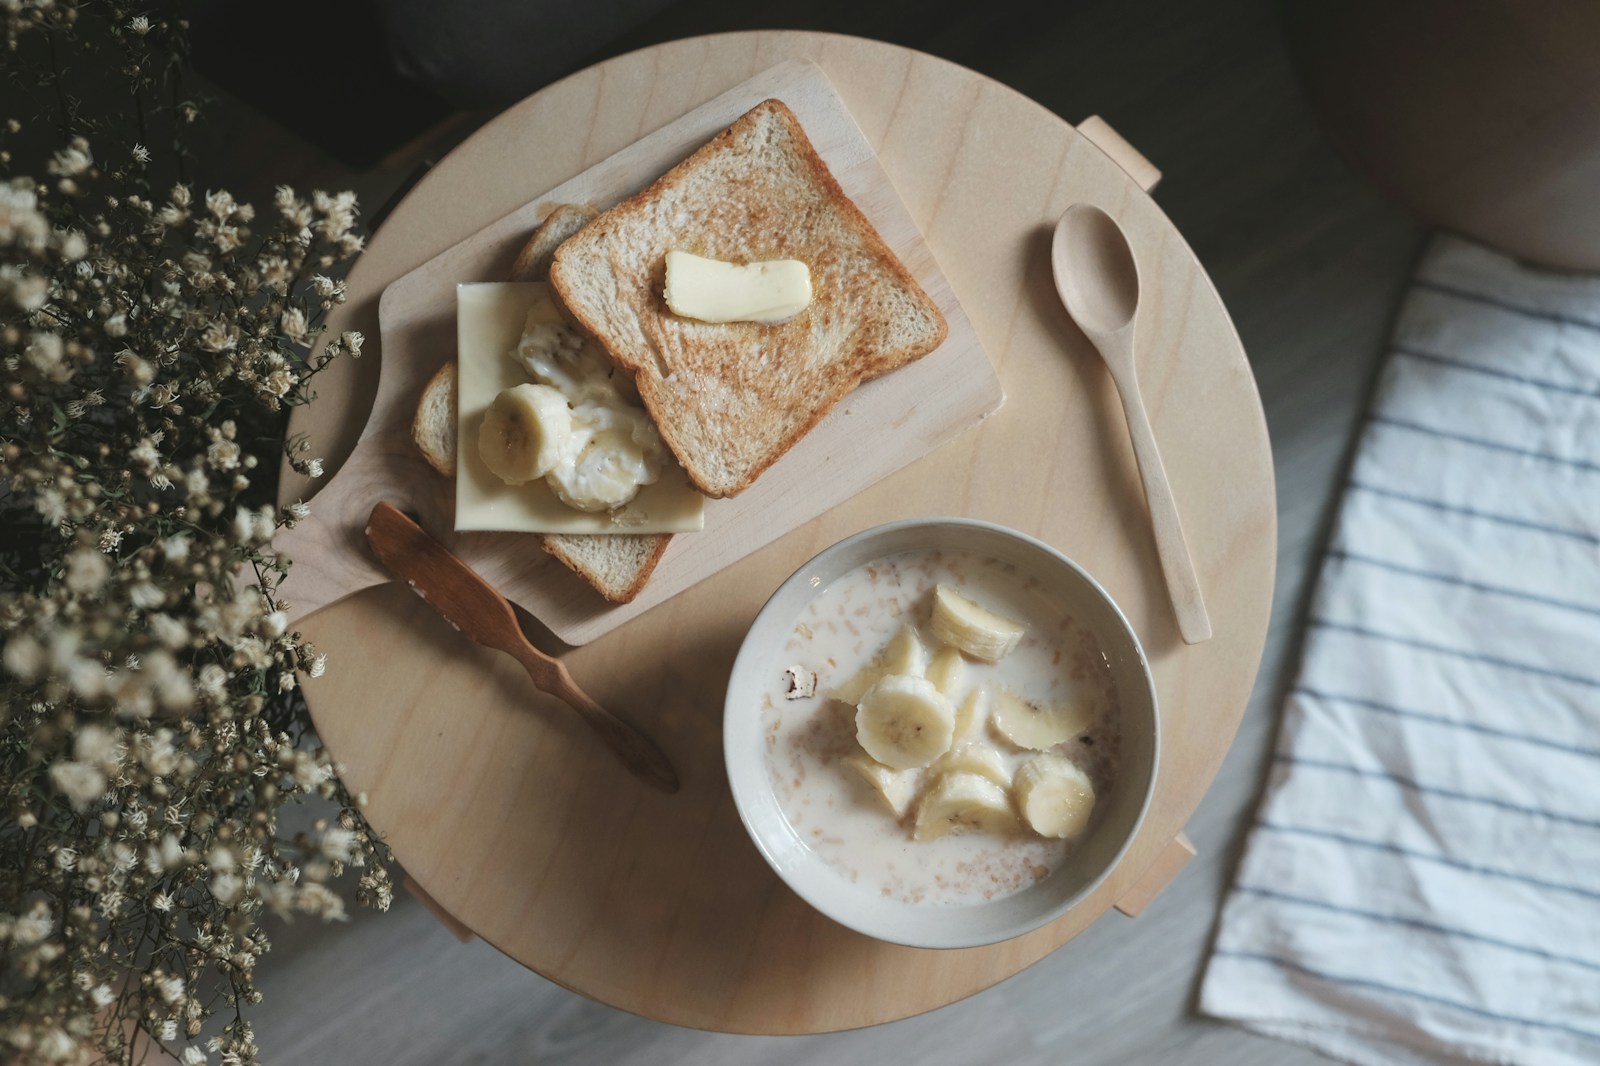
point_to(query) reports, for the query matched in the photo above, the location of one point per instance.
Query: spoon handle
(1194, 625)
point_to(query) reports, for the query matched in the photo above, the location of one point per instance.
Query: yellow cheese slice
(489, 321)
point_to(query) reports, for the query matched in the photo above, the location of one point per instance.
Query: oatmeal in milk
(936, 728)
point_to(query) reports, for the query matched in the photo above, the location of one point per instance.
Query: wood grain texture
(518, 827)
(1310, 261)
(877, 429)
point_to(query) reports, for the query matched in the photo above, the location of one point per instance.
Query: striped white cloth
(1422, 884)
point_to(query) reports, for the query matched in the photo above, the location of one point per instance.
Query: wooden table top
(497, 800)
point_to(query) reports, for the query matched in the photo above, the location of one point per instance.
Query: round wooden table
(500, 804)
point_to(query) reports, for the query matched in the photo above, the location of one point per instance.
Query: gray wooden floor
(1311, 263)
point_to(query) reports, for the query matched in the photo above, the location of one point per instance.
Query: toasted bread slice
(433, 427)
(533, 262)
(730, 399)
(616, 564)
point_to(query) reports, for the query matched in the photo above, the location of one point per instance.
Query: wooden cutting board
(880, 428)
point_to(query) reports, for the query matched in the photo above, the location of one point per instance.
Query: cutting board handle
(1125, 155)
(328, 548)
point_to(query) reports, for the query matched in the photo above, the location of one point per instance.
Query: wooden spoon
(1098, 281)
(470, 604)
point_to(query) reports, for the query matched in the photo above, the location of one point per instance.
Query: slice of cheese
(489, 321)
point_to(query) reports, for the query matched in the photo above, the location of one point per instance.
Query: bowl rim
(744, 661)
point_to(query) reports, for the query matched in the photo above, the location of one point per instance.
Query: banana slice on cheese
(979, 758)
(896, 787)
(904, 722)
(972, 627)
(526, 433)
(1037, 726)
(607, 472)
(964, 803)
(1055, 797)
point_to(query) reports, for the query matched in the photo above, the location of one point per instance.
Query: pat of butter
(713, 291)
(489, 322)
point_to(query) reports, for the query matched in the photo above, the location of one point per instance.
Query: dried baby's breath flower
(150, 337)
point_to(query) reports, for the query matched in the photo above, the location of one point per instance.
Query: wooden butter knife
(469, 603)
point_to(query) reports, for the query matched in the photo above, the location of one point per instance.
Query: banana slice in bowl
(904, 722)
(962, 802)
(1035, 725)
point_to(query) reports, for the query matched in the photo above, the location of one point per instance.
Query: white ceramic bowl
(862, 907)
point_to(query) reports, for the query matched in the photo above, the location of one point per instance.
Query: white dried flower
(139, 25)
(337, 844)
(157, 754)
(24, 657)
(81, 783)
(145, 456)
(21, 222)
(221, 203)
(170, 988)
(57, 1046)
(51, 505)
(140, 153)
(317, 665)
(193, 1056)
(227, 888)
(33, 927)
(280, 381)
(314, 468)
(73, 160)
(218, 337)
(293, 324)
(44, 353)
(97, 746)
(87, 571)
(223, 455)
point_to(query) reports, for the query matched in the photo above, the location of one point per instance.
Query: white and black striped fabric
(1422, 884)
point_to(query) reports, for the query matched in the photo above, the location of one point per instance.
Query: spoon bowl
(1095, 271)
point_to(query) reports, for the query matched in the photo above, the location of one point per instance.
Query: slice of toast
(433, 427)
(616, 564)
(730, 399)
(533, 262)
